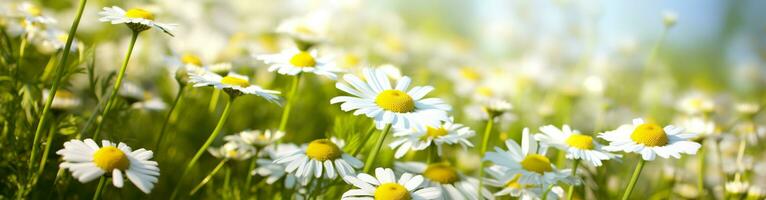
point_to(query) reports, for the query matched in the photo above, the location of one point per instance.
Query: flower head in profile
(292, 62)
(695, 103)
(272, 171)
(509, 185)
(377, 99)
(136, 19)
(530, 161)
(64, 100)
(306, 30)
(232, 150)
(54, 40)
(320, 158)
(87, 161)
(386, 185)
(232, 83)
(651, 140)
(448, 133)
(256, 138)
(576, 145)
(451, 183)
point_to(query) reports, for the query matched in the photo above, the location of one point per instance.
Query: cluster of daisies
(417, 123)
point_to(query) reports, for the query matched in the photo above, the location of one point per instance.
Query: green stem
(100, 187)
(576, 164)
(207, 143)
(546, 191)
(57, 78)
(20, 61)
(433, 154)
(47, 149)
(209, 176)
(701, 171)
(378, 145)
(253, 165)
(214, 100)
(484, 143)
(634, 179)
(117, 84)
(167, 119)
(719, 160)
(365, 137)
(290, 100)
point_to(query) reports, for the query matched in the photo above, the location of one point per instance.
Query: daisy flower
(55, 39)
(256, 138)
(320, 157)
(529, 160)
(136, 19)
(310, 29)
(651, 140)
(232, 150)
(32, 13)
(64, 100)
(448, 133)
(273, 171)
(232, 83)
(576, 145)
(695, 103)
(391, 105)
(386, 186)
(293, 62)
(451, 183)
(509, 184)
(87, 161)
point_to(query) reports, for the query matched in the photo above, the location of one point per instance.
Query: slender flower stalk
(633, 179)
(570, 192)
(484, 143)
(376, 150)
(216, 131)
(253, 165)
(117, 84)
(364, 140)
(290, 100)
(100, 187)
(701, 171)
(47, 150)
(546, 191)
(161, 136)
(214, 101)
(22, 51)
(209, 176)
(57, 78)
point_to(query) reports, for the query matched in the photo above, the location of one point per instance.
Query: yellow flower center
(34, 10)
(485, 91)
(470, 74)
(230, 80)
(514, 182)
(580, 141)
(392, 191)
(441, 173)
(191, 59)
(303, 29)
(396, 101)
(323, 149)
(109, 158)
(303, 59)
(649, 134)
(350, 60)
(231, 153)
(139, 13)
(435, 132)
(536, 163)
